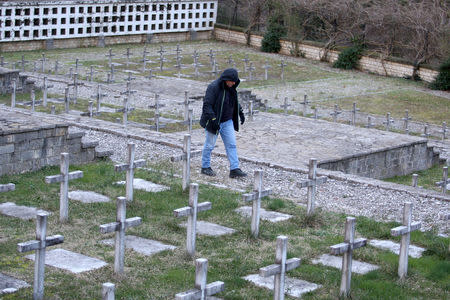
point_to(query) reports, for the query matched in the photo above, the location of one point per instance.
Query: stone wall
(368, 64)
(385, 163)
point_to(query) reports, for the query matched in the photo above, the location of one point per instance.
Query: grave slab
(70, 261)
(10, 284)
(148, 186)
(336, 262)
(88, 197)
(141, 245)
(293, 287)
(211, 229)
(414, 251)
(271, 216)
(19, 211)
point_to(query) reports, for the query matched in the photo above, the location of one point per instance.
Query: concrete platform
(88, 197)
(211, 229)
(148, 186)
(19, 211)
(413, 251)
(10, 284)
(141, 245)
(336, 262)
(271, 216)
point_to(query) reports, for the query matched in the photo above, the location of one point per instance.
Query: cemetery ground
(230, 257)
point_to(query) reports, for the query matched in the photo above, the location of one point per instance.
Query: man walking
(220, 114)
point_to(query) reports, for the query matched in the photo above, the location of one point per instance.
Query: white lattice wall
(24, 21)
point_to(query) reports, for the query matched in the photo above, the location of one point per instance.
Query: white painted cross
(425, 133)
(285, 105)
(13, 93)
(110, 56)
(388, 122)
(202, 289)
(335, 113)
(251, 68)
(39, 245)
(354, 111)
(347, 248)
(64, 178)
(266, 70)
(311, 184)
(255, 197)
(7, 187)
(281, 266)
(191, 211)
(119, 227)
(282, 65)
(305, 105)
(443, 183)
(369, 122)
(405, 232)
(108, 291)
(444, 130)
(186, 158)
(406, 120)
(129, 167)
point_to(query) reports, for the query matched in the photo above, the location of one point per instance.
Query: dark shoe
(237, 173)
(208, 171)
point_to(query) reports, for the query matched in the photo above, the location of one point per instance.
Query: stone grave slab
(70, 261)
(336, 262)
(10, 284)
(211, 229)
(293, 287)
(88, 197)
(19, 211)
(271, 216)
(148, 186)
(141, 245)
(414, 251)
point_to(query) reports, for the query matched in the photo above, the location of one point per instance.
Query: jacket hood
(231, 75)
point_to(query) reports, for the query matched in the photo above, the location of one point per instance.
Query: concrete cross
(444, 130)
(405, 232)
(53, 110)
(75, 85)
(126, 109)
(119, 227)
(130, 75)
(186, 103)
(33, 99)
(45, 92)
(354, 111)
(91, 73)
(2, 61)
(7, 187)
(425, 133)
(316, 113)
(266, 70)
(39, 245)
(98, 97)
(191, 212)
(56, 67)
(195, 56)
(335, 113)
(161, 57)
(251, 68)
(108, 289)
(347, 248)
(150, 74)
(23, 62)
(255, 198)
(281, 266)
(110, 56)
(311, 183)
(43, 60)
(369, 122)
(215, 68)
(443, 183)
(285, 106)
(186, 158)
(127, 55)
(415, 178)
(64, 178)
(144, 59)
(34, 66)
(66, 100)
(129, 167)
(250, 110)
(388, 122)
(157, 105)
(178, 51)
(245, 60)
(196, 71)
(13, 93)
(77, 63)
(70, 72)
(90, 109)
(282, 65)
(406, 120)
(305, 105)
(201, 289)
(212, 56)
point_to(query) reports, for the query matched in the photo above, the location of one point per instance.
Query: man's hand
(242, 119)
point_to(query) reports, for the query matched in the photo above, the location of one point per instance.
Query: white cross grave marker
(405, 232)
(7, 187)
(119, 227)
(186, 158)
(354, 111)
(191, 211)
(335, 113)
(202, 289)
(39, 245)
(285, 106)
(311, 183)
(305, 105)
(444, 130)
(64, 178)
(108, 291)
(406, 120)
(129, 167)
(13, 93)
(255, 197)
(443, 183)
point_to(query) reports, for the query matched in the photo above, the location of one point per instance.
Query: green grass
(230, 257)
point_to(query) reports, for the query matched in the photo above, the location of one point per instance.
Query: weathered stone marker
(335, 113)
(347, 248)
(388, 122)
(281, 266)
(311, 184)
(444, 130)
(191, 211)
(7, 187)
(186, 158)
(13, 93)
(305, 105)
(251, 68)
(119, 227)
(202, 289)
(64, 178)
(245, 60)
(415, 178)
(39, 245)
(108, 289)
(129, 167)
(354, 111)
(266, 70)
(406, 120)
(405, 232)
(443, 183)
(255, 197)
(369, 122)
(285, 106)
(282, 65)
(425, 133)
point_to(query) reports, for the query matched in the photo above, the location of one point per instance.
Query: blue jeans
(229, 140)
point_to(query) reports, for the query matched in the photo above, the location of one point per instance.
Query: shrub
(348, 58)
(271, 39)
(442, 81)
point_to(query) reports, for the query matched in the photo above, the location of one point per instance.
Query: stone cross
(119, 227)
(13, 93)
(110, 56)
(425, 133)
(250, 110)
(77, 61)
(311, 183)
(23, 62)
(282, 65)
(53, 110)
(44, 95)
(266, 70)
(178, 51)
(285, 105)
(406, 120)
(191, 212)
(186, 103)
(316, 113)
(70, 72)
(212, 56)
(281, 266)
(91, 73)
(335, 113)
(369, 122)
(255, 198)
(34, 66)
(354, 111)
(144, 59)
(39, 245)
(64, 178)
(161, 57)
(347, 248)
(415, 178)
(245, 60)
(2, 61)
(7, 187)
(108, 289)
(66, 100)
(196, 72)
(405, 232)
(186, 158)
(444, 130)
(43, 60)
(443, 183)
(33, 99)
(90, 109)
(388, 121)
(98, 97)
(251, 68)
(157, 105)
(75, 87)
(305, 105)
(126, 109)
(56, 67)
(201, 289)
(127, 55)
(129, 167)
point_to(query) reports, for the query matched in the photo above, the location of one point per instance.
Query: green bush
(271, 39)
(348, 58)
(442, 81)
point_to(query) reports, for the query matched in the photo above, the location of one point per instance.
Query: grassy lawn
(230, 257)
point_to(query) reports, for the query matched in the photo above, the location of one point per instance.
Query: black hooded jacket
(214, 100)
